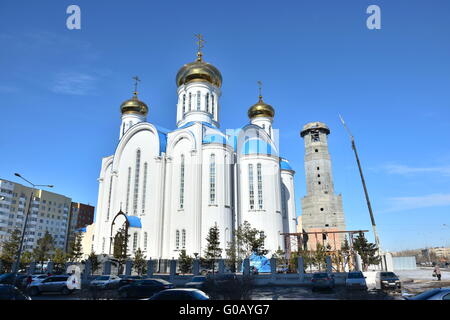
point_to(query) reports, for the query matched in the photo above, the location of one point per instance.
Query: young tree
(368, 251)
(25, 259)
(320, 255)
(213, 250)
(185, 262)
(280, 255)
(231, 255)
(59, 259)
(139, 262)
(120, 248)
(10, 249)
(76, 248)
(95, 264)
(250, 240)
(45, 246)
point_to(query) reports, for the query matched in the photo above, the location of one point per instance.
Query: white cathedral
(170, 188)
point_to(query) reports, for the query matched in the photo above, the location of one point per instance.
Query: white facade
(174, 186)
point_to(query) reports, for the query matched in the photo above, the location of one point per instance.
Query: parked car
(197, 282)
(433, 294)
(104, 282)
(180, 294)
(144, 288)
(322, 280)
(126, 280)
(10, 292)
(10, 278)
(356, 280)
(51, 284)
(221, 279)
(34, 278)
(387, 281)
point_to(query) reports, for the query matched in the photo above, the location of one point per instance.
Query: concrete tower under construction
(321, 208)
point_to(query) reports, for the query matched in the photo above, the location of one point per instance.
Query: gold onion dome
(134, 105)
(199, 70)
(261, 109)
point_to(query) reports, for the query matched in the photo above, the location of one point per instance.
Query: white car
(35, 278)
(105, 282)
(356, 280)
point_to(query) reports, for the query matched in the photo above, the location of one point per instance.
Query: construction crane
(369, 206)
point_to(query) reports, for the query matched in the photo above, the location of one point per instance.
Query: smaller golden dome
(261, 109)
(134, 105)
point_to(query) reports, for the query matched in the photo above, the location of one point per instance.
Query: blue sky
(60, 92)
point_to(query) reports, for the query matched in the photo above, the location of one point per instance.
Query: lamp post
(19, 252)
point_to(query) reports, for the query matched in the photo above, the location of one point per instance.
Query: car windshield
(388, 275)
(425, 295)
(5, 276)
(320, 275)
(102, 278)
(355, 275)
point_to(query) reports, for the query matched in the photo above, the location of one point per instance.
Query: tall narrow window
(184, 104)
(182, 182)
(103, 245)
(251, 191)
(198, 100)
(212, 179)
(135, 236)
(128, 188)
(207, 102)
(144, 187)
(212, 104)
(109, 198)
(145, 240)
(177, 239)
(136, 181)
(226, 182)
(183, 238)
(190, 101)
(260, 191)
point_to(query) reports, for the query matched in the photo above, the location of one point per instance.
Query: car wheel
(34, 291)
(65, 291)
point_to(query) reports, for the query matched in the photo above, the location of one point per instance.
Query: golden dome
(199, 71)
(134, 105)
(261, 109)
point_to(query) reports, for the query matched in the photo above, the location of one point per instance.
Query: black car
(10, 278)
(144, 288)
(126, 280)
(10, 292)
(180, 294)
(388, 280)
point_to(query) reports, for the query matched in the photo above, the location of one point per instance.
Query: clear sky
(60, 92)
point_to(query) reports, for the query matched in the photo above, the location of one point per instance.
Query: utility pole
(369, 206)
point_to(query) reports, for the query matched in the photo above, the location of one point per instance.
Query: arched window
(190, 101)
(212, 179)
(136, 181)
(145, 240)
(177, 239)
(128, 188)
(183, 238)
(251, 191)
(135, 236)
(198, 100)
(260, 191)
(181, 202)
(144, 188)
(184, 104)
(207, 102)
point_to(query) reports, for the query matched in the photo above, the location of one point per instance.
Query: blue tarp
(261, 263)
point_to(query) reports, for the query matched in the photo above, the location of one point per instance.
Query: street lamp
(19, 253)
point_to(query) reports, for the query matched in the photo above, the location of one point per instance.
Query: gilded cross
(260, 88)
(136, 81)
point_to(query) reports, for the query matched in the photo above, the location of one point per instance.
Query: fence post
(301, 268)
(128, 267)
(150, 268)
(246, 270)
(87, 270)
(329, 264)
(221, 266)
(196, 267)
(50, 266)
(358, 264)
(173, 269)
(107, 268)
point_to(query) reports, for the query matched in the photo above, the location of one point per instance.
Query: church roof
(284, 165)
(257, 146)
